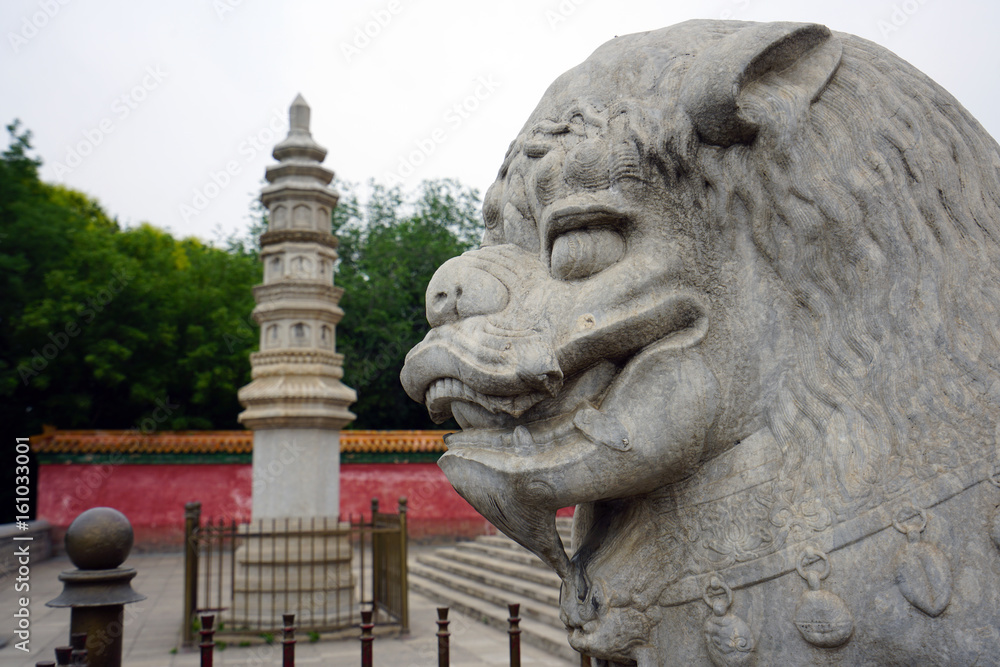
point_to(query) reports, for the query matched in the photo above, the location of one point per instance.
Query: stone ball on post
(99, 539)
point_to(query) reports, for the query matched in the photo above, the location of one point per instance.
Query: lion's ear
(794, 60)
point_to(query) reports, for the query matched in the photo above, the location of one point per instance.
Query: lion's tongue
(530, 524)
(483, 466)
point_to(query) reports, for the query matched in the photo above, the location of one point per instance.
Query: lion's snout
(459, 290)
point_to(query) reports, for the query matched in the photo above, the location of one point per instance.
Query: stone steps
(480, 578)
(507, 567)
(519, 556)
(496, 588)
(534, 632)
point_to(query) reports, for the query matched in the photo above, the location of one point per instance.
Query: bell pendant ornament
(821, 617)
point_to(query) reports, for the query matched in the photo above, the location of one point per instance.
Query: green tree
(104, 327)
(390, 247)
(110, 328)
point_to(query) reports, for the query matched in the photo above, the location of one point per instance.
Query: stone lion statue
(738, 301)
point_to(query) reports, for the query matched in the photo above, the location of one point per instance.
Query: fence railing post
(444, 641)
(377, 558)
(404, 587)
(366, 638)
(78, 642)
(64, 654)
(515, 634)
(207, 644)
(288, 641)
(192, 522)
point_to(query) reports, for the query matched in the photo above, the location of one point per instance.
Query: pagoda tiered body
(297, 372)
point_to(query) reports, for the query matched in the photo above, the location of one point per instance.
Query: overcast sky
(166, 111)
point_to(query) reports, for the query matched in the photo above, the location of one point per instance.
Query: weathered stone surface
(737, 300)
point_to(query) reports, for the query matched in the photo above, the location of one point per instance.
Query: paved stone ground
(152, 629)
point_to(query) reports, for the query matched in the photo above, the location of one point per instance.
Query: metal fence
(249, 574)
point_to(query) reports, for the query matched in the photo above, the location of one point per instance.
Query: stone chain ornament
(923, 573)
(821, 617)
(728, 637)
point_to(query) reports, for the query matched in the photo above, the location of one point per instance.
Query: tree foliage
(106, 327)
(390, 246)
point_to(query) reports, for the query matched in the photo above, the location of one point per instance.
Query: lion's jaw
(567, 391)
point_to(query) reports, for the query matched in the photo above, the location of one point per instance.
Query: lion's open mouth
(444, 393)
(447, 397)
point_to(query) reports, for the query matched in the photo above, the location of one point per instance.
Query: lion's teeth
(444, 391)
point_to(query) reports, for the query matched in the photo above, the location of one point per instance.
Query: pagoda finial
(298, 115)
(299, 144)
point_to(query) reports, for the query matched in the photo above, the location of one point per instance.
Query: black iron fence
(248, 575)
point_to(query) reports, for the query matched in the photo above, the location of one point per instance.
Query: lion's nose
(459, 290)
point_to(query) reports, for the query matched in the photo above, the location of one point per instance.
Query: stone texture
(296, 473)
(737, 302)
(296, 403)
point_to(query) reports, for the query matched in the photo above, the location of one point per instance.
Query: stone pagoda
(296, 403)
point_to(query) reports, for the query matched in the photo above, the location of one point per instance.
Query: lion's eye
(579, 253)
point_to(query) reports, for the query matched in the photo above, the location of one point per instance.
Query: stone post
(296, 403)
(97, 543)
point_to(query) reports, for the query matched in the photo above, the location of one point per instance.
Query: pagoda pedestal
(300, 566)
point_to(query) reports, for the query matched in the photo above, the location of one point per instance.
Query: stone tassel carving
(728, 637)
(822, 617)
(923, 573)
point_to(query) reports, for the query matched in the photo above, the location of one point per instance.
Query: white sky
(162, 94)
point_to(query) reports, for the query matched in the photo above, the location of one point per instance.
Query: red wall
(153, 496)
